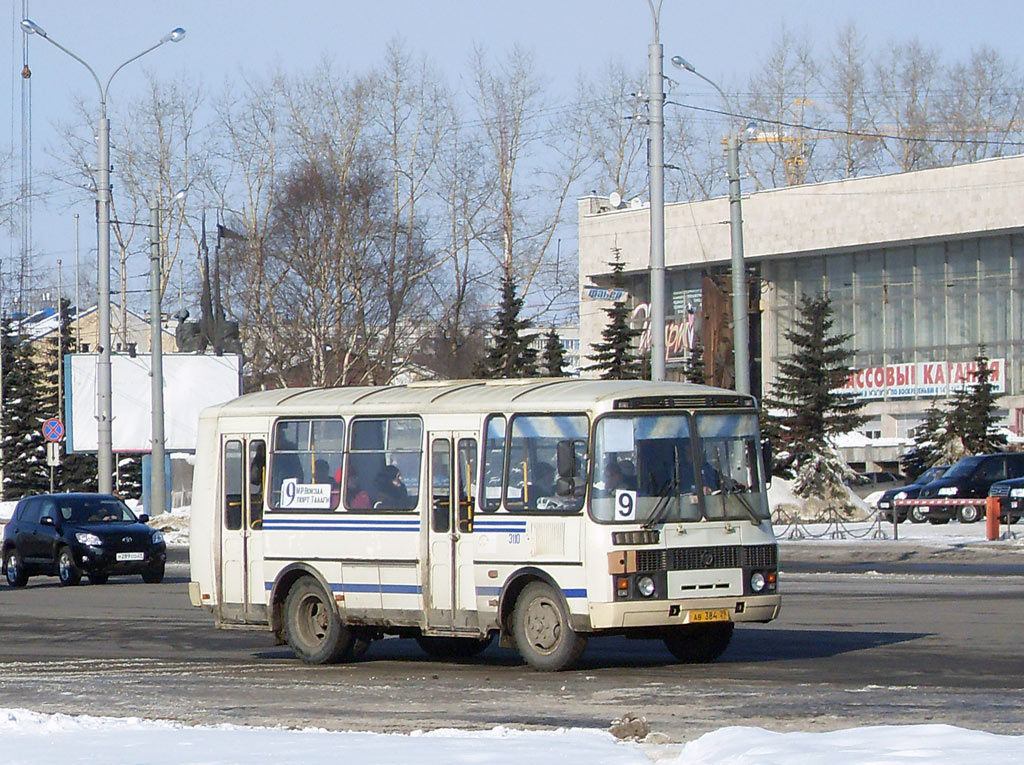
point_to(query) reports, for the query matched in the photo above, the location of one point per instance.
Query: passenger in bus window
(356, 498)
(389, 490)
(619, 474)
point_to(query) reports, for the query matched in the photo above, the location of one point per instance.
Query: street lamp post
(104, 431)
(740, 320)
(656, 170)
(157, 501)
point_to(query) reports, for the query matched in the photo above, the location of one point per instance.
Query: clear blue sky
(227, 37)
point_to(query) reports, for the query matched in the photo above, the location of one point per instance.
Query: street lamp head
(175, 35)
(30, 27)
(681, 63)
(180, 195)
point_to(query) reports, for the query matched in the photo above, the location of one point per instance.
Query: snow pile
(932, 744)
(783, 500)
(31, 737)
(174, 525)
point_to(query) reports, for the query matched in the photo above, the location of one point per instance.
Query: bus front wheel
(313, 625)
(696, 644)
(542, 632)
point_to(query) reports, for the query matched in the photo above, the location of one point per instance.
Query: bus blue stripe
(381, 589)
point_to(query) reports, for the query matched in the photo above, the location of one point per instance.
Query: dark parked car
(910, 491)
(66, 535)
(1011, 499)
(970, 478)
(867, 483)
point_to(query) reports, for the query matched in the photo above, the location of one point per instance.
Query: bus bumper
(670, 613)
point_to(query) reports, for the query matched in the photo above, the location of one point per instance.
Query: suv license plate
(131, 556)
(709, 615)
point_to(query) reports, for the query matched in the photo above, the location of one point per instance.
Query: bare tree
(981, 110)
(846, 82)
(780, 93)
(906, 104)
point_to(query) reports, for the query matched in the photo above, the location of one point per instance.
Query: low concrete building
(922, 267)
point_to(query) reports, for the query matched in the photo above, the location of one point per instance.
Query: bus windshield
(645, 469)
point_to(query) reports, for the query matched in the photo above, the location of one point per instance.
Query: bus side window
(494, 464)
(233, 486)
(257, 475)
(441, 485)
(467, 484)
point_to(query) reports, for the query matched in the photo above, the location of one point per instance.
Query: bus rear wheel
(452, 647)
(313, 625)
(543, 635)
(699, 643)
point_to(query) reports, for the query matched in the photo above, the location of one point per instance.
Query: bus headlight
(645, 586)
(757, 581)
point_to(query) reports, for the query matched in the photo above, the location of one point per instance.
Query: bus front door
(449, 587)
(243, 596)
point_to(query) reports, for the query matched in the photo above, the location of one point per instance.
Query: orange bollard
(992, 518)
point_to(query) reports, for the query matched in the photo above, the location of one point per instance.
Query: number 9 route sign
(53, 429)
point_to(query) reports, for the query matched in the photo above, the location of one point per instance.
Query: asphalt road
(848, 650)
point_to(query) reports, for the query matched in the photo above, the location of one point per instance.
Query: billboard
(192, 382)
(924, 379)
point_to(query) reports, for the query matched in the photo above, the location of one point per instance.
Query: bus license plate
(131, 556)
(709, 615)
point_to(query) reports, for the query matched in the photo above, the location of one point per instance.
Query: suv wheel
(69, 573)
(916, 516)
(968, 513)
(16, 574)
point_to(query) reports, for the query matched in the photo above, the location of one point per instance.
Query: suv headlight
(158, 537)
(85, 538)
(948, 491)
(900, 495)
(1017, 492)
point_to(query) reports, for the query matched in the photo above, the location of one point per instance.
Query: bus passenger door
(449, 584)
(243, 472)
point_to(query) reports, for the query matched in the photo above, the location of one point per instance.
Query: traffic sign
(52, 454)
(53, 429)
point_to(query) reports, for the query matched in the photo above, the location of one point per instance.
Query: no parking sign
(53, 430)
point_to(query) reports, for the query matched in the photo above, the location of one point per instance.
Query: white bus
(541, 511)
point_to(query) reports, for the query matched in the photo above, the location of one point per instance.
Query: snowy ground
(29, 737)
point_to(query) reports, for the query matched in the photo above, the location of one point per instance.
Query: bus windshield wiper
(671, 489)
(729, 486)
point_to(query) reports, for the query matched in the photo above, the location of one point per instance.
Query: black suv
(68, 534)
(1011, 499)
(910, 491)
(970, 478)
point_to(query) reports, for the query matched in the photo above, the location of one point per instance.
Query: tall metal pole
(157, 474)
(741, 322)
(656, 169)
(78, 305)
(104, 415)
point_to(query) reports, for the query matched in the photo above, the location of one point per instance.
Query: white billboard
(192, 382)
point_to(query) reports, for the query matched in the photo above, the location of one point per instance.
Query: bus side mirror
(566, 459)
(766, 454)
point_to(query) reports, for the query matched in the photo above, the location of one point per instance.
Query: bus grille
(696, 558)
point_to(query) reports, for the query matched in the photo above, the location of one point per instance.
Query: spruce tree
(510, 354)
(809, 411)
(23, 446)
(615, 357)
(981, 435)
(554, 355)
(927, 448)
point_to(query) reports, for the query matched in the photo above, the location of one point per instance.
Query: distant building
(921, 268)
